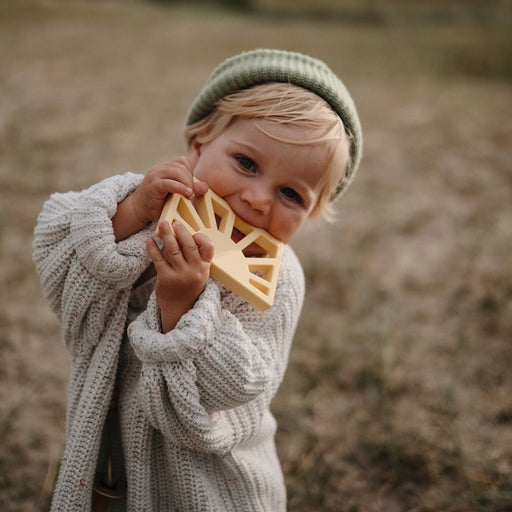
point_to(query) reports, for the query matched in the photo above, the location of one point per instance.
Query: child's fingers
(172, 249)
(155, 254)
(187, 244)
(172, 177)
(171, 186)
(205, 246)
(181, 247)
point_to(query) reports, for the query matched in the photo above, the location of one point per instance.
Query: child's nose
(259, 198)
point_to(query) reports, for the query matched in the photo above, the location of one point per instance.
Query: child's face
(269, 184)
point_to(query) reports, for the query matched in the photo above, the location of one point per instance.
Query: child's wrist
(170, 316)
(126, 221)
(171, 310)
(138, 218)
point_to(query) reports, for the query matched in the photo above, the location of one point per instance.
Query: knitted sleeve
(81, 268)
(207, 383)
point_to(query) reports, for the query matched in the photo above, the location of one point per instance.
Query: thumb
(200, 188)
(205, 246)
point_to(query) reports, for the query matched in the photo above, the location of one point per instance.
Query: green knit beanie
(262, 65)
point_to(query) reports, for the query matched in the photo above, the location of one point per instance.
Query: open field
(399, 391)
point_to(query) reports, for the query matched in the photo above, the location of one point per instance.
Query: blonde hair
(292, 105)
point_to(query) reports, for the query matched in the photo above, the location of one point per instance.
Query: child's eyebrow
(246, 146)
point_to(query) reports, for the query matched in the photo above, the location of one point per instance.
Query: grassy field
(399, 390)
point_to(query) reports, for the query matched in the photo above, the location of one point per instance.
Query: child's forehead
(288, 133)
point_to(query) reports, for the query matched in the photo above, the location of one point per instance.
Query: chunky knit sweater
(195, 432)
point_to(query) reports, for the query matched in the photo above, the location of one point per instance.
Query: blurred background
(398, 395)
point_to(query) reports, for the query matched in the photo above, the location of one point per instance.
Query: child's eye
(247, 163)
(289, 193)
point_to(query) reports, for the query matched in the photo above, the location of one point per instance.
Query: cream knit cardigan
(197, 432)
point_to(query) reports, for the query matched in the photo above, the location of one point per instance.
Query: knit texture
(265, 65)
(195, 427)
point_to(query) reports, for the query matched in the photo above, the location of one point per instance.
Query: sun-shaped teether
(246, 260)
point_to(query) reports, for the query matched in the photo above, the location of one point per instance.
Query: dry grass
(398, 394)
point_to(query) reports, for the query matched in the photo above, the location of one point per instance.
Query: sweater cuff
(190, 335)
(118, 264)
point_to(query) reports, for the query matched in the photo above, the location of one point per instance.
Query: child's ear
(194, 153)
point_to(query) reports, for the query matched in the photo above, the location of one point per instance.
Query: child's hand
(145, 204)
(160, 181)
(182, 267)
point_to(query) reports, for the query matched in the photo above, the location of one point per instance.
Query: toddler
(172, 374)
